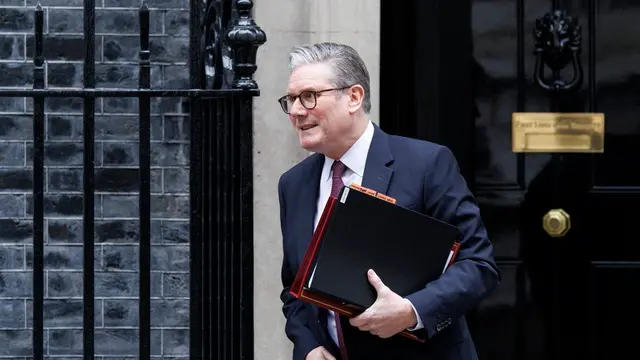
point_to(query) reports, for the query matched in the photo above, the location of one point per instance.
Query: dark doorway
(453, 73)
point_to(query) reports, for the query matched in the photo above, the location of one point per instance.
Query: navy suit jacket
(422, 176)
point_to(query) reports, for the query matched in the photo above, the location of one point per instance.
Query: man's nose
(297, 108)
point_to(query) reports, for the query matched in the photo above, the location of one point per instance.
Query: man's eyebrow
(306, 88)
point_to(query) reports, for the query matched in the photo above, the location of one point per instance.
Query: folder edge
(298, 283)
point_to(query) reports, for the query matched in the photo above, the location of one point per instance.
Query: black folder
(362, 230)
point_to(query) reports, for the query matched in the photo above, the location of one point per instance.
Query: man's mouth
(307, 127)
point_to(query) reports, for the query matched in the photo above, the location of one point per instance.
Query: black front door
(468, 67)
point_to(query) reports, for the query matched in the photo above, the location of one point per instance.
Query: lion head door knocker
(558, 42)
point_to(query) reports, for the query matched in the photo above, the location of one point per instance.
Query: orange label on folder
(372, 193)
(386, 198)
(355, 186)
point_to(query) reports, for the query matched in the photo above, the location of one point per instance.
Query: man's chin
(309, 144)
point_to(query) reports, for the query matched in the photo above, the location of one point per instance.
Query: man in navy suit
(328, 103)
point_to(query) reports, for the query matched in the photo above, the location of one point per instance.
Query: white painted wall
(288, 23)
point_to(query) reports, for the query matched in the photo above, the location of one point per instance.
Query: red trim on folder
(455, 249)
(310, 254)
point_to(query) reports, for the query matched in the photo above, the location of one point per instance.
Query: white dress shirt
(354, 159)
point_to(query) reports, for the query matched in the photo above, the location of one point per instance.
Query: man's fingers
(375, 281)
(379, 333)
(361, 319)
(356, 321)
(362, 324)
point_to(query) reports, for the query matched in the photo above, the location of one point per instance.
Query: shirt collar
(356, 157)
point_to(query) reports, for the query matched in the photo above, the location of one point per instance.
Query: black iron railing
(221, 231)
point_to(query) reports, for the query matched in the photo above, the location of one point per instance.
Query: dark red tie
(337, 170)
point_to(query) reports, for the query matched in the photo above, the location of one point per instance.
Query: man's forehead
(308, 77)
(296, 88)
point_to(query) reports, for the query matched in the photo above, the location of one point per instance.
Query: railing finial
(244, 38)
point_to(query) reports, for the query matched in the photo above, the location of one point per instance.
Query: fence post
(222, 178)
(144, 198)
(38, 188)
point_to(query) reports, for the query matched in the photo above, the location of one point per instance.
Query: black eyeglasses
(308, 99)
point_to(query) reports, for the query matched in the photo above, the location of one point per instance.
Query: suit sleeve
(474, 275)
(296, 312)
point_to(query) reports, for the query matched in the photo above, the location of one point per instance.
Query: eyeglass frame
(315, 98)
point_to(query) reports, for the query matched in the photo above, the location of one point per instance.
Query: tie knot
(337, 169)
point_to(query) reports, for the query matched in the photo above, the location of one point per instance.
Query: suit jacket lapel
(376, 173)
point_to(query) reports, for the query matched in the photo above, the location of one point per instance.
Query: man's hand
(388, 315)
(319, 353)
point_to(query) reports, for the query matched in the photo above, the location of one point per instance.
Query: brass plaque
(558, 132)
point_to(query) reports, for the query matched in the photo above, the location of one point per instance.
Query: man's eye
(307, 95)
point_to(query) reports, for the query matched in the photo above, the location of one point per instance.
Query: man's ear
(356, 98)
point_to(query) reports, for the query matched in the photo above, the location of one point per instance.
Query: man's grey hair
(347, 65)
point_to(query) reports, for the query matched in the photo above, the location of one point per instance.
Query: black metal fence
(221, 196)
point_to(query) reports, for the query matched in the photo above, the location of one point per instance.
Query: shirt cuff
(419, 325)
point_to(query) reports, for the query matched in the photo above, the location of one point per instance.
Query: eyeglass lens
(307, 99)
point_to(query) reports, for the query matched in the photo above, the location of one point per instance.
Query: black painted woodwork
(560, 298)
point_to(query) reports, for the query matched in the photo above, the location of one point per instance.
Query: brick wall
(116, 235)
